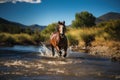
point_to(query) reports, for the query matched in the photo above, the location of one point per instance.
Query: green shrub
(38, 38)
(24, 39)
(113, 29)
(10, 40)
(2, 37)
(45, 34)
(7, 38)
(49, 29)
(72, 40)
(87, 38)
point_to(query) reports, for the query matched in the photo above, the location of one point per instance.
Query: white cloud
(14, 1)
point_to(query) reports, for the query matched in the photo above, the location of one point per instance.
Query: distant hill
(9, 26)
(108, 16)
(36, 26)
(6, 22)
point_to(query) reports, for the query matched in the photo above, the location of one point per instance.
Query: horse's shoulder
(54, 35)
(55, 32)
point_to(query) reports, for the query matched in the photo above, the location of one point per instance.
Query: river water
(37, 63)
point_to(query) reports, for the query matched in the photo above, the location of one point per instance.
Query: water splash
(45, 51)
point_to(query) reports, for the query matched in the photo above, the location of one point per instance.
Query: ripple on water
(74, 65)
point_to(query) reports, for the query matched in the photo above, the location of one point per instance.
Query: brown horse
(58, 40)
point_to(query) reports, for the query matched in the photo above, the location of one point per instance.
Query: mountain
(6, 22)
(14, 27)
(36, 26)
(9, 26)
(108, 16)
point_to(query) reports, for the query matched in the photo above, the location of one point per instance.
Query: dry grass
(11, 39)
(103, 45)
(79, 32)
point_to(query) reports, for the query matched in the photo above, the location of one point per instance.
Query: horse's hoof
(53, 55)
(64, 55)
(60, 53)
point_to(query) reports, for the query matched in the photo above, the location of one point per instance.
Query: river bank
(106, 49)
(109, 49)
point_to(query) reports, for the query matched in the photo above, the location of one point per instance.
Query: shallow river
(36, 63)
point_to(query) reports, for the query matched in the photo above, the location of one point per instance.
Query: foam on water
(48, 51)
(45, 51)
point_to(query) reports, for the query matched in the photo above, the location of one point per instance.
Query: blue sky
(45, 12)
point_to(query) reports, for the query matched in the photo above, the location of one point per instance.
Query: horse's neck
(57, 34)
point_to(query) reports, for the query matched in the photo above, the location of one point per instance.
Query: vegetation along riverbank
(98, 36)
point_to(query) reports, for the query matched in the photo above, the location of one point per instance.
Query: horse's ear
(63, 22)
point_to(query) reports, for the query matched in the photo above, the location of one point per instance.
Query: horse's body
(58, 40)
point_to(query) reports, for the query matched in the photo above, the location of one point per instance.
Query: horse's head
(61, 28)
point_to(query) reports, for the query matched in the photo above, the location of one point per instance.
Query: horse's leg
(58, 50)
(60, 53)
(53, 52)
(65, 54)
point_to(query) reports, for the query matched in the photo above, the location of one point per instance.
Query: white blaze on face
(61, 29)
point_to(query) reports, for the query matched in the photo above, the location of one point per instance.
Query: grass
(72, 40)
(83, 34)
(22, 39)
(76, 36)
(102, 42)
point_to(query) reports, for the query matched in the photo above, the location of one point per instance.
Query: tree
(50, 28)
(83, 19)
(10, 28)
(28, 30)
